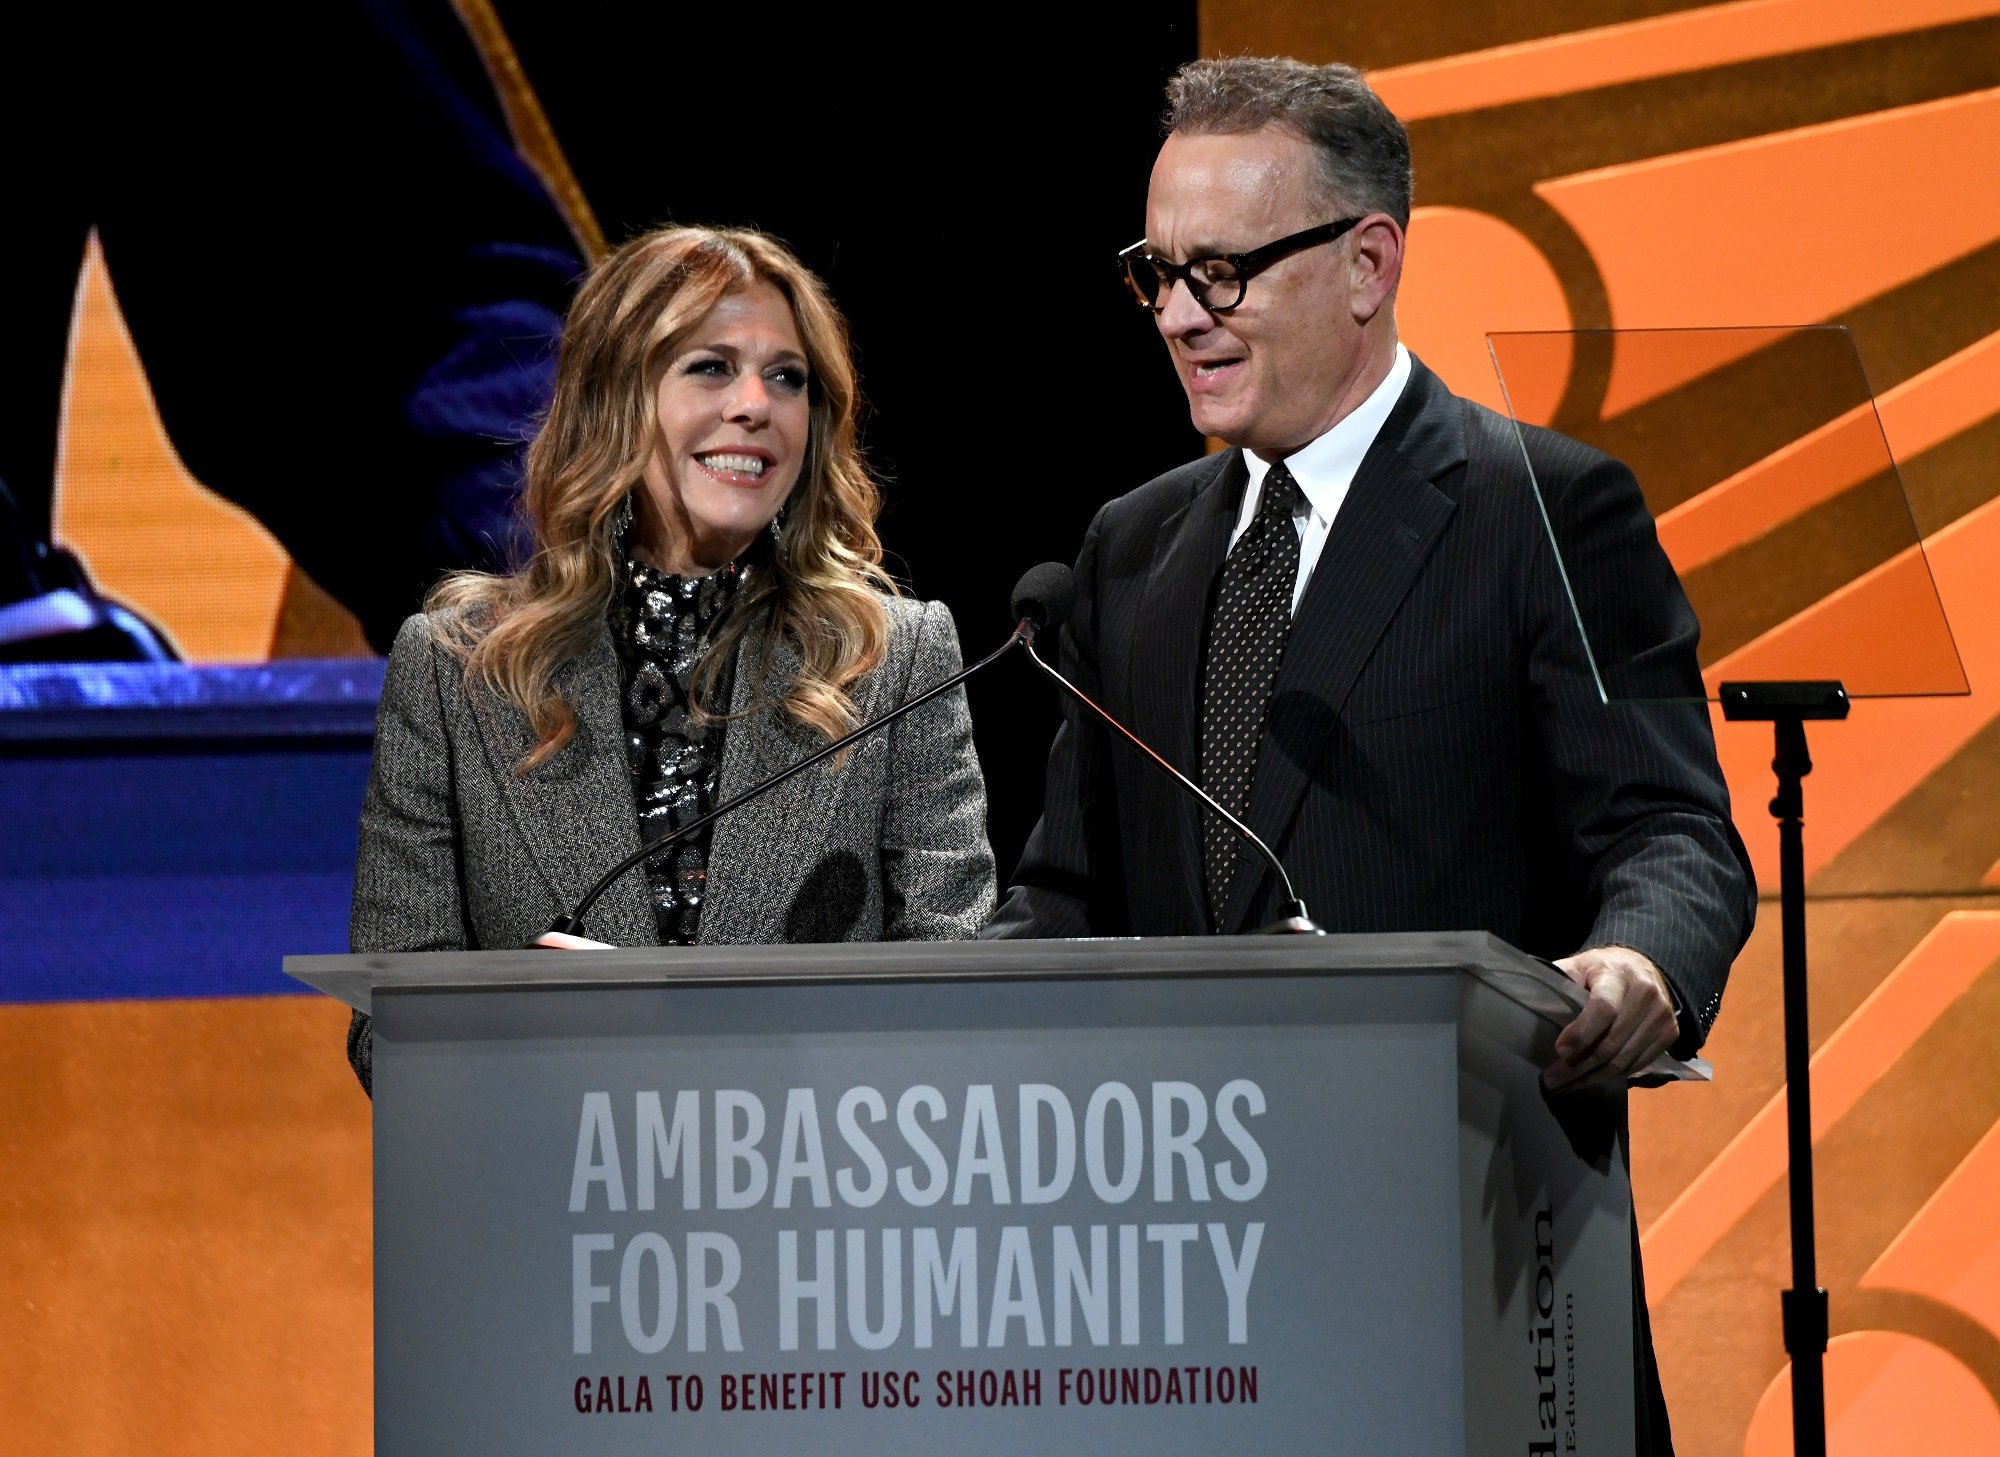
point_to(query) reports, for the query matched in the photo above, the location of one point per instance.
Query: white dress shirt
(1325, 469)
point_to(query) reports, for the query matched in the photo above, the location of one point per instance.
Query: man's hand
(1627, 1021)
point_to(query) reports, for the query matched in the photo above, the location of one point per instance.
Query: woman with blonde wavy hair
(704, 605)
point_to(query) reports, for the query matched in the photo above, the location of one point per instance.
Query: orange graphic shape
(1467, 274)
(151, 535)
(1788, 228)
(1951, 396)
(1661, 45)
(1885, 1392)
(1649, 361)
(184, 1230)
(1807, 472)
(1938, 970)
(528, 125)
(1884, 634)
(1864, 766)
(1951, 1250)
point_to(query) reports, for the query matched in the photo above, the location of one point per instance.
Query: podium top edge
(1523, 979)
(353, 979)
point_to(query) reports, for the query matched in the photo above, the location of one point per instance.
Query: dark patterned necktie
(1246, 643)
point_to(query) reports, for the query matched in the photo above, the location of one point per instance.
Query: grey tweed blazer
(459, 851)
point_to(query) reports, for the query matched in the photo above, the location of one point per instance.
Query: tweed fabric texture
(1246, 643)
(1436, 755)
(458, 851)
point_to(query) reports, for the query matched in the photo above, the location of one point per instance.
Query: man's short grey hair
(1362, 149)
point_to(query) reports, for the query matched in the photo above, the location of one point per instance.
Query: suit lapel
(575, 812)
(1164, 665)
(1384, 532)
(762, 853)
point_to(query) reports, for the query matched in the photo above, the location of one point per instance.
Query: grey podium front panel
(542, 1286)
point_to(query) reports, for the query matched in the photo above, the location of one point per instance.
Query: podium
(1273, 1195)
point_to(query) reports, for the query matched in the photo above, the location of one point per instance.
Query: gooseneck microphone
(1042, 599)
(1293, 918)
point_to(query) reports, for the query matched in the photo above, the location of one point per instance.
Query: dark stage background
(939, 181)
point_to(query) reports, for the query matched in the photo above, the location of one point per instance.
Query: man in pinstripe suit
(1428, 746)
(1434, 753)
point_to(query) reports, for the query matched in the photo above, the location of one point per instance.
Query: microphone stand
(572, 923)
(1293, 919)
(1042, 600)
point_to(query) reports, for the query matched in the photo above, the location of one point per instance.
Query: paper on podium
(563, 941)
(1543, 989)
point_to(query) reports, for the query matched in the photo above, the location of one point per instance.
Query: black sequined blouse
(661, 625)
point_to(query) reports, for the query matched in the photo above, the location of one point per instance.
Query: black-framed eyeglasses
(1216, 283)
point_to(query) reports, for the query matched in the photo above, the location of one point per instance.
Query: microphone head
(1044, 595)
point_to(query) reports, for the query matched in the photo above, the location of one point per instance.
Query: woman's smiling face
(733, 421)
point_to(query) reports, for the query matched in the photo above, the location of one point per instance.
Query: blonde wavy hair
(820, 587)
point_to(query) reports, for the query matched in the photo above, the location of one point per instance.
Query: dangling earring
(778, 530)
(621, 525)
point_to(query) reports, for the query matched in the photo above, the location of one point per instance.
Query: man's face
(1276, 371)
